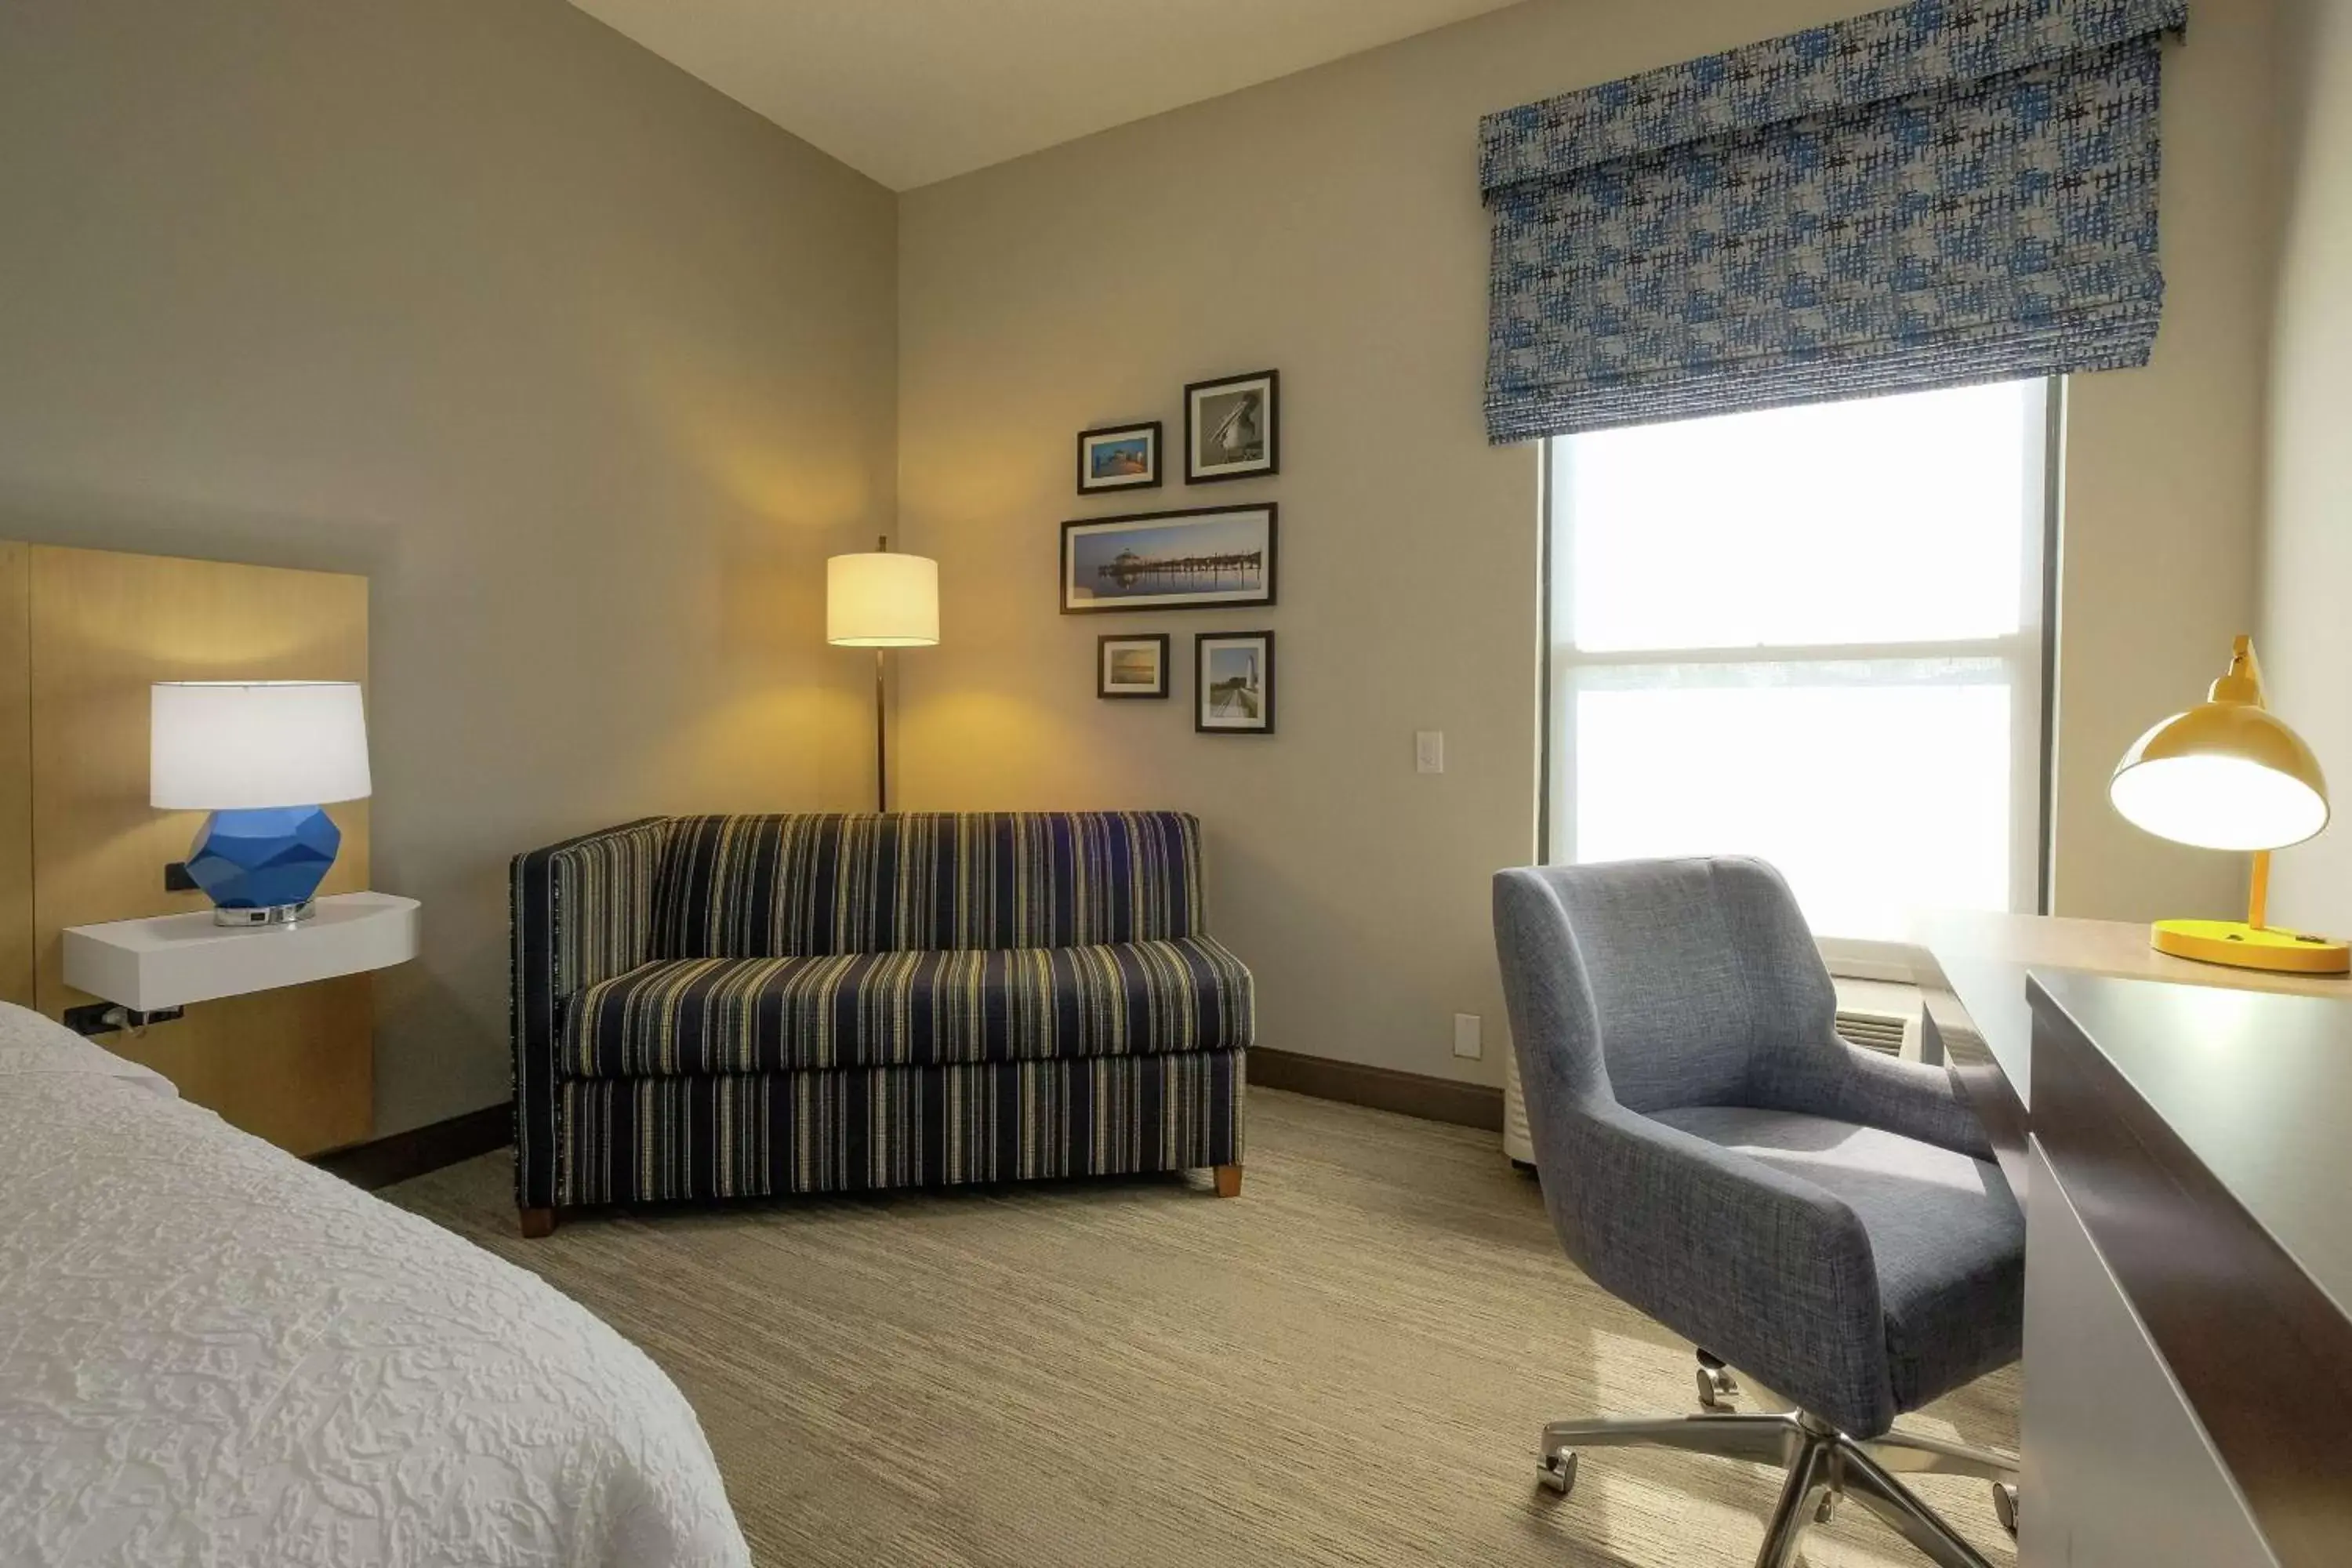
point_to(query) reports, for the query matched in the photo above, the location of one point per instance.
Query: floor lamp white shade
(881, 599)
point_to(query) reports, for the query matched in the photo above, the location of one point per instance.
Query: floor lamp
(881, 600)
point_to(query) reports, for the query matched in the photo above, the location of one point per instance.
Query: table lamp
(2229, 774)
(262, 756)
(880, 600)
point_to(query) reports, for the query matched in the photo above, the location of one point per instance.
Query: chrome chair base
(1821, 1462)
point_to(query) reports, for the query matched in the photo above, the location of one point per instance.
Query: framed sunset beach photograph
(1201, 558)
(1119, 457)
(1131, 666)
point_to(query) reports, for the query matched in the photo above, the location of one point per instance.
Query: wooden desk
(2175, 1132)
(1971, 970)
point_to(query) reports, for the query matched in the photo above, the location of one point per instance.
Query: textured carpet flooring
(1349, 1363)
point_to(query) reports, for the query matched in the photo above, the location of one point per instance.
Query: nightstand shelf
(172, 961)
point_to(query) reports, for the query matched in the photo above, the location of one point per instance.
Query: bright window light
(1811, 635)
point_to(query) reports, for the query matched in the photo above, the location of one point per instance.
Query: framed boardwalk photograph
(1232, 683)
(1195, 560)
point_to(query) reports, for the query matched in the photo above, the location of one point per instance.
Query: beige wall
(585, 366)
(2306, 621)
(2164, 482)
(1328, 225)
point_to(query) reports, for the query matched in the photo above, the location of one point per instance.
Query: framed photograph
(1232, 428)
(1119, 457)
(1131, 666)
(1194, 559)
(1234, 686)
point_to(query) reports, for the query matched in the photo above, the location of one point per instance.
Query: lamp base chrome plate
(2243, 946)
(267, 914)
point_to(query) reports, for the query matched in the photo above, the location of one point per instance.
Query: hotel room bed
(213, 1353)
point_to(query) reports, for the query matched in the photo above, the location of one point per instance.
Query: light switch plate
(1429, 750)
(1467, 1041)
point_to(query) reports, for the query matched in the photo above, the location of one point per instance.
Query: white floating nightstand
(170, 960)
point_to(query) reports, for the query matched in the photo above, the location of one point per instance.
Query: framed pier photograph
(1191, 560)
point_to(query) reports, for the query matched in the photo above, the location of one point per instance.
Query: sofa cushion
(799, 885)
(925, 1008)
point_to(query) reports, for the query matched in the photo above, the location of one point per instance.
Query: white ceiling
(914, 90)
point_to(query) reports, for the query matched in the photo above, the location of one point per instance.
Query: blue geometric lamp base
(262, 866)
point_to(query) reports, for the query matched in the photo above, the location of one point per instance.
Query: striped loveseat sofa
(742, 1006)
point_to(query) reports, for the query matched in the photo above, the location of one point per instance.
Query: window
(1815, 634)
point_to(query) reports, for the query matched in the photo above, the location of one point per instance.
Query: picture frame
(1233, 428)
(1232, 683)
(1201, 558)
(1119, 457)
(1128, 665)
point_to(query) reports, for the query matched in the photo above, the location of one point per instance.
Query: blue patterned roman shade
(1950, 190)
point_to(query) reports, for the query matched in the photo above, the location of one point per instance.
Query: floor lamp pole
(881, 741)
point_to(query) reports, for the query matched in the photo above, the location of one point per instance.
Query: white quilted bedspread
(212, 1353)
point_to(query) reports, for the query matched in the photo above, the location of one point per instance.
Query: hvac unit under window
(1877, 1016)
(1880, 1016)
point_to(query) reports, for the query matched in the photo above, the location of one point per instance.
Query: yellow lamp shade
(882, 599)
(2224, 775)
(2228, 776)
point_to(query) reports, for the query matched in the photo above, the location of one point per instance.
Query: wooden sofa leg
(537, 1222)
(1229, 1181)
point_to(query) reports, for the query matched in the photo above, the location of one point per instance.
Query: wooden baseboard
(382, 1162)
(1383, 1088)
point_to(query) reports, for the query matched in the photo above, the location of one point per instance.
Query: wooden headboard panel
(90, 630)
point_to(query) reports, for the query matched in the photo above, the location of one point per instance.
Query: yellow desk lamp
(2227, 774)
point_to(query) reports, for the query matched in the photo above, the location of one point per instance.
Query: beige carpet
(1349, 1363)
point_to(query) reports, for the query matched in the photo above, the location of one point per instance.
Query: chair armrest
(582, 910)
(1908, 1097)
(1758, 1266)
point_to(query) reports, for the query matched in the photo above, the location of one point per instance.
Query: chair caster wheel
(1716, 1388)
(2004, 1507)
(1827, 1511)
(1558, 1471)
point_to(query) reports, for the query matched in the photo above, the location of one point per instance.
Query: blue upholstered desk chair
(1827, 1220)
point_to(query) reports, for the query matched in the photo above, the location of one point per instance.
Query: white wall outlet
(1429, 750)
(1466, 1036)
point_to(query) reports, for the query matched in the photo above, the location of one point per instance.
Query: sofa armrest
(583, 912)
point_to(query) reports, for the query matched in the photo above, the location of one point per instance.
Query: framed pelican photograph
(1119, 457)
(1197, 560)
(1233, 428)
(1233, 684)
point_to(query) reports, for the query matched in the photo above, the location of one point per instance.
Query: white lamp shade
(240, 745)
(2218, 803)
(882, 599)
